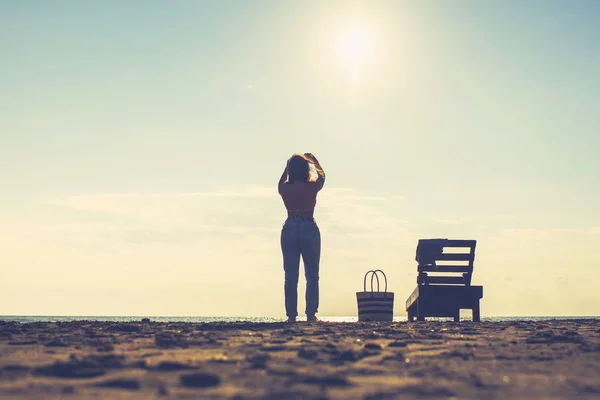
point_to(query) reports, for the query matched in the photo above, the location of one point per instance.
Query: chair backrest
(445, 261)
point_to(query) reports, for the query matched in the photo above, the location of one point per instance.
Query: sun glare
(355, 47)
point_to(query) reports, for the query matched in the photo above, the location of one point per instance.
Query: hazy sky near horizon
(141, 143)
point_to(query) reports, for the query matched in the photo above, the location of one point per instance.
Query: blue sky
(140, 142)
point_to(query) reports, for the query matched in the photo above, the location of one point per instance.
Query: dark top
(300, 198)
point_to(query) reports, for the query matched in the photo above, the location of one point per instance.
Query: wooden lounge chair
(444, 281)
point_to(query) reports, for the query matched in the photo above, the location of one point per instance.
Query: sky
(141, 143)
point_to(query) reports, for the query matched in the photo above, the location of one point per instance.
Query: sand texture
(488, 360)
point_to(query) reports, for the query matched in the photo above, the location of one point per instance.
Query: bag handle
(372, 276)
(384, 277)
(376, 276)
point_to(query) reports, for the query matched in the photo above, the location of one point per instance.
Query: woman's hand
(312, 159)
(309, 157)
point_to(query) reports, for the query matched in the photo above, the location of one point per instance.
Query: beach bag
(375, 305)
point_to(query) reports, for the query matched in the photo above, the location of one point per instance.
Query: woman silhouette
(300, 234)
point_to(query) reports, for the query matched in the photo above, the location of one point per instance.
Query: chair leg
(411, 314)
(457, 316)
(476, 314)
(420, 316)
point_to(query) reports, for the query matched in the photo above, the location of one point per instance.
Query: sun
(355, 47)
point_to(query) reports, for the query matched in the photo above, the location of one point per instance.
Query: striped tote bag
(375, 305)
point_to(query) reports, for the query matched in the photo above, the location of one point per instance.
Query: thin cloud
(249, 191)
(447, 221)
(341, 212)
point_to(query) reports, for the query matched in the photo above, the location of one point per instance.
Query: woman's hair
(298, 169)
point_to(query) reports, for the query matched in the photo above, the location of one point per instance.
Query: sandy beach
(490, 360)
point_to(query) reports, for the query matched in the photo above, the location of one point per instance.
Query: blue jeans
(301, 236)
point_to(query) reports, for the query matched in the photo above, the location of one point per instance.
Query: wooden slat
(460, 243)
(454, 257)
(449, 242)
(449, 292)
(413, 297)
(459, 296)
(446, 280)
(447, 268)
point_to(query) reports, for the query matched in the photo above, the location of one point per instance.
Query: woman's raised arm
(283, 176)
(310, 157)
